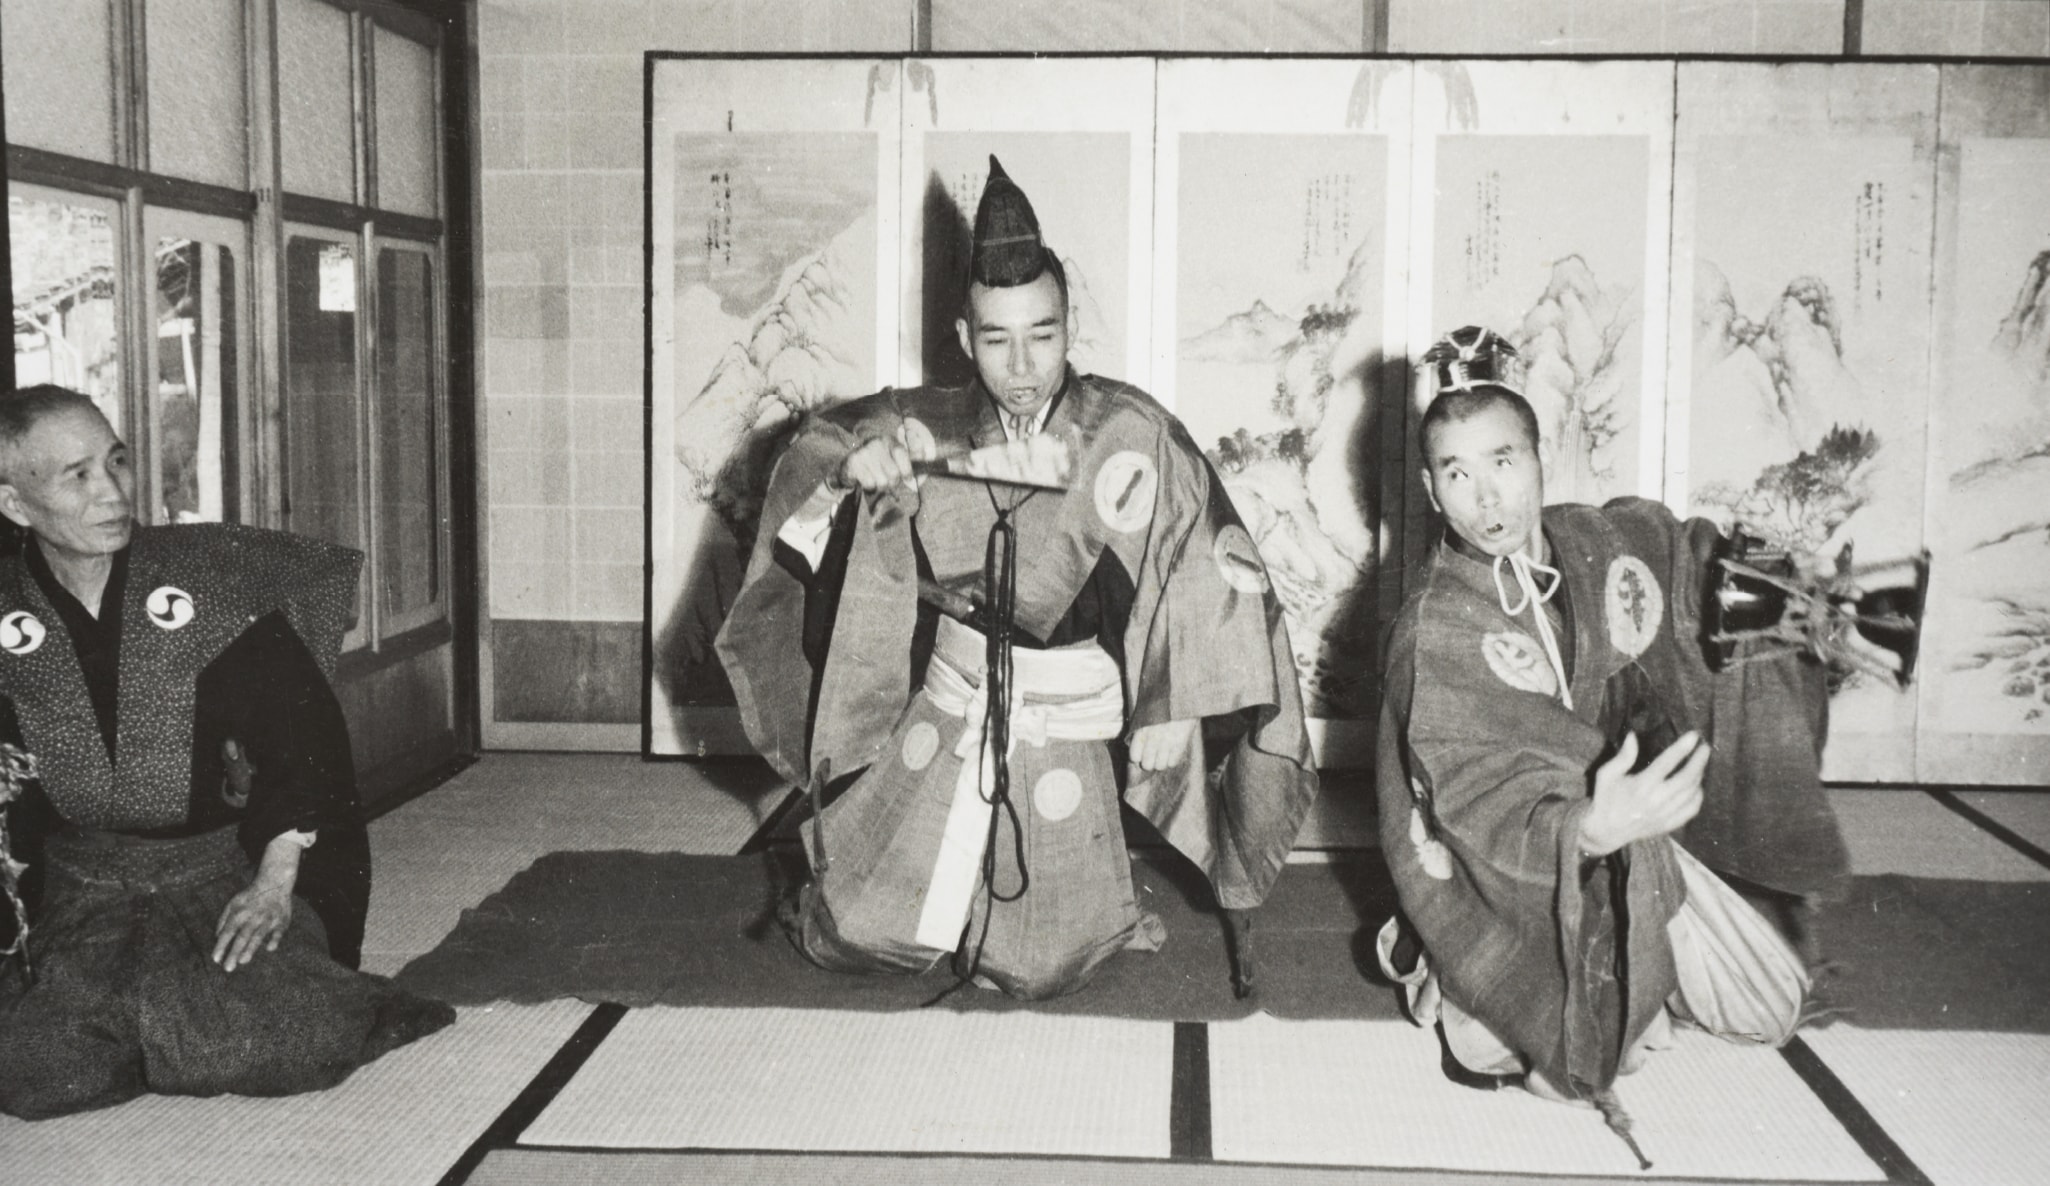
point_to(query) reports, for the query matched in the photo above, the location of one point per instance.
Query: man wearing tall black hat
(1002, 662)
(1548, 798)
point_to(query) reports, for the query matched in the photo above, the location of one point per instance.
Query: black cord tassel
(1000, 582)
(1619, 1123)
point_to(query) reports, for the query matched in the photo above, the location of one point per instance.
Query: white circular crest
(1633, 605)
(21, 633)
(1125, 488)
(169, 607)
(1057, 794)
(1430, 852)
(1518, 660)
(921, 742)
(1238, 558)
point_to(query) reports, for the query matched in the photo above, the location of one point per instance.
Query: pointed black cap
(1008, 250)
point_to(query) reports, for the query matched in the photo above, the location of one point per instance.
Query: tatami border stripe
(1870, 1135)
(762, 835)
(1308, 1172)
(1188, 1106)
(1993, 827)
(539, 1093)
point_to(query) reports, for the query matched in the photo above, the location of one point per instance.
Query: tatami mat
(1372, 1094)
(561, 1167)
(933, 1081)
(451, 848)
(1342, 815)
(555, 801)
(403, 1119)
(1910, 833)
(2025, 813)
(1967, 1108)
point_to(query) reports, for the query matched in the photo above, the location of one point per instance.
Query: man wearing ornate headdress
(1004, 663)
(206, 879)
(1544, 759)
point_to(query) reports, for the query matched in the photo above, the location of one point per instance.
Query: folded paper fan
(1043, 461)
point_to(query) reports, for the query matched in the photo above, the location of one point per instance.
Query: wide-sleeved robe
(1484, 774)
(1143, 557)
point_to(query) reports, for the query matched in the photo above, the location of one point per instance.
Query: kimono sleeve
(772, 679)
(797, 708)
(1765, 816)
(1207, 642)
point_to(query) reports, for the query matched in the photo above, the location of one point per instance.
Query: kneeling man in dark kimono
(1543, 749)
(1005, 664)
(203, 867)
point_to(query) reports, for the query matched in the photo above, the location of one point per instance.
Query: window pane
(197, 380)
(316, 115)
(66, 329)
(320, 390)
(57, 60)
(407, 489)
(196, 74)
(405, 125)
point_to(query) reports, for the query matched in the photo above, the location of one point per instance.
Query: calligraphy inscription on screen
(775, 315)
(1280, 260)
(766, 180)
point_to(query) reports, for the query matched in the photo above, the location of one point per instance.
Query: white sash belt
(1072, 694)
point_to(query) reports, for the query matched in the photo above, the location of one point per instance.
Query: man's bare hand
(254, 920)
(1157, 747)
(1652, 802)
(886, 462)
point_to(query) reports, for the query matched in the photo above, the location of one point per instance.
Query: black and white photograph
(1232, 592)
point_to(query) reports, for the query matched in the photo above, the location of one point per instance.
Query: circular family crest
(921, 742)
(169, 607)
(21, 633)
(1125, 489)
(1057, 794)
(1238, 558)
(1633, 605)
(1518, 661)
(1431, 853)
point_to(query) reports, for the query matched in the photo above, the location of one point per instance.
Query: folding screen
(1280, 226)
(1720, 274)
(1985, 684)
(1799, 354)
(769, 252)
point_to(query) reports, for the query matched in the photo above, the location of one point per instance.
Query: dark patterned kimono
(1484, 773)
(1139, 590)
(205, 633)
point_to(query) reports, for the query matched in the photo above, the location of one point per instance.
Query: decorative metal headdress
(1474, 356)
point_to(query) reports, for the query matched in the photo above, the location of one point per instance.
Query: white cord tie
(1534, 599)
